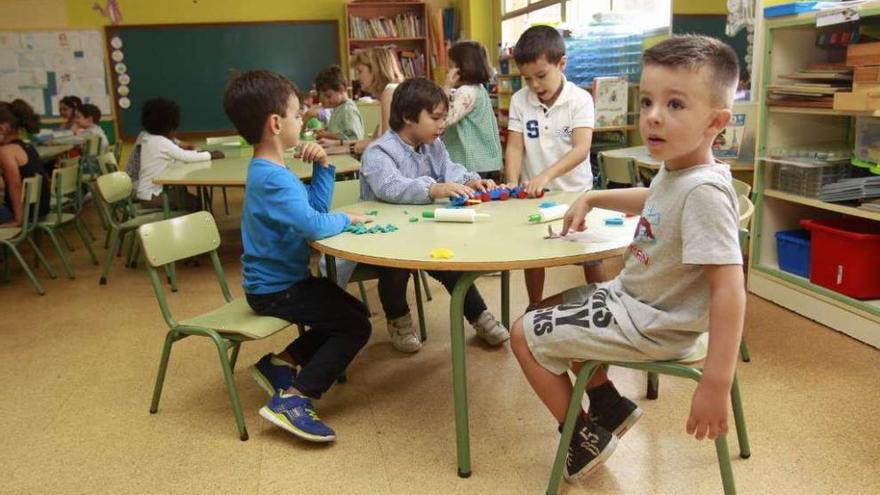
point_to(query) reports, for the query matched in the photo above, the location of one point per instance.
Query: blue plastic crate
(789, 9)
(793, 251)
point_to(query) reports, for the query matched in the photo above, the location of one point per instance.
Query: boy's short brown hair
(332, 78)
(537, 42)
(251, 97)
(90, 111)
(693, 52)
(413, 96)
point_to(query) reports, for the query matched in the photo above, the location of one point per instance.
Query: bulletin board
(41, 67)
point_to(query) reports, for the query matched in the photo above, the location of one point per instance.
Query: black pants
(392, 292)
(339, 329)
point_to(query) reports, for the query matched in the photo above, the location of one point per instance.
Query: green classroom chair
(741, 188)
(12, 237)
(116, 150)
(621, 170)
(372, 115)
(66, 182)
(168, 241)
(348, 192)
(115, 190)
(684, 368)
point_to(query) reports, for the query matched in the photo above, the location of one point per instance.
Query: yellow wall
(699, 6)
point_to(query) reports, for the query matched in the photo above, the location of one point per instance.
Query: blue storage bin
(793, 251)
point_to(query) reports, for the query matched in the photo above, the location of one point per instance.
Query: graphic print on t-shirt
(593, 313)
(645, 233)
(532, 128)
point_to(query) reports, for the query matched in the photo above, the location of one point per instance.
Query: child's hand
(452, 78)
(357, 218)
(482, 184)
(575, 218)
(217, 155)
(536, 184)
(325, 134)
(709, 411)
(312, 152)
(449, 190)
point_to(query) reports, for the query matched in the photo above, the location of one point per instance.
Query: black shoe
(617, 418)
(590, 446)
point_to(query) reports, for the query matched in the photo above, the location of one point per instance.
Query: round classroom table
(504, 241)
(648, 166)
(50, 151)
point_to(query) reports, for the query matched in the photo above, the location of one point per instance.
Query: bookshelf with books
(401, 26)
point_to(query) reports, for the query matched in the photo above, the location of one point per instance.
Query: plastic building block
(413, 220)
(486, 197)
(547, 204)
(457, 200)
(442, 253)
(613, 221)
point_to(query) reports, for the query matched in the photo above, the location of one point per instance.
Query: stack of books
(399, 26)
(814, 86)
(856, 188)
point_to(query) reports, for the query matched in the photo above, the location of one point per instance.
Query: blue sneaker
(296, 414)
(271, 376)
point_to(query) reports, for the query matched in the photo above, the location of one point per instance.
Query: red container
(845, 255)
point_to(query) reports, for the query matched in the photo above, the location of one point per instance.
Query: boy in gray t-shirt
(682, 273)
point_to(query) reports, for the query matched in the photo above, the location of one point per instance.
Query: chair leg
(724, 465)
(230, 387)
(170, 337)
(65, 263)
(132, 237)
(505, 299)
(84, 235)
(574, 408)
(64, 240)
(363, 290)
(133, 252)
(27, 270)
(234, 357)
(38, 253)
(423, 332)
(171, 273)
(225, 201)
(424, 278)
(744, 351)
(653, 385)
(111, 253)
(739, 417)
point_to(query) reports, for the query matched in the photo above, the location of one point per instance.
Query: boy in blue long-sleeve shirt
(281, 215)
(410, 165)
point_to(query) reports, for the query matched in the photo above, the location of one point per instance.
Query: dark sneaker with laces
(272, 374)
(590, 446)
(297, 415)
(617, 418)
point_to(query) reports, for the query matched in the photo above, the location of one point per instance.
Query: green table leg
(171, 271)
(459, 372)
(331, 267)
(505, 299)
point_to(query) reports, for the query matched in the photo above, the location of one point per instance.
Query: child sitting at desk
(280, 217)
(409, 165)
(86, 119)
(345, 122)
(158, 149)
(67, 108)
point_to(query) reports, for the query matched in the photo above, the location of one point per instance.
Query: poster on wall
(42, 67)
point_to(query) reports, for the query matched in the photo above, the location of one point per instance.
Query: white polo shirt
(547, 133)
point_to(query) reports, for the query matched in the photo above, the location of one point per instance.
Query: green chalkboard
(712, 25)
(191, 64)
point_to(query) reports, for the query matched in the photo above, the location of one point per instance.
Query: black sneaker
(617, 418)
(590, 446)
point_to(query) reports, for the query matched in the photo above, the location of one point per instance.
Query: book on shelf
(727, 144)
(407, 25)
(813, 86)
(611, 100)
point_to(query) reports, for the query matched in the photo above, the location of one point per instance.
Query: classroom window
(518, 15)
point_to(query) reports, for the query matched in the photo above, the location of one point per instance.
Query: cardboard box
(859, 101)
(862, 54)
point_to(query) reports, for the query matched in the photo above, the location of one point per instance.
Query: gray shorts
(583, 328)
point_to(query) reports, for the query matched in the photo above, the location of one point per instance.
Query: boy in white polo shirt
(550, 129)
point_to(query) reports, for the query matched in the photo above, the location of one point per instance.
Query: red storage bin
(845, 255)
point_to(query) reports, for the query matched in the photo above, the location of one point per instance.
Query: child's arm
(630, 201)
(581, 138)
(11, 173)
(513, 156)
(460, 105)
(175, 152)
(385, 104)
(711, 402)
(388, 184)
(289, 206)
(323, 176)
